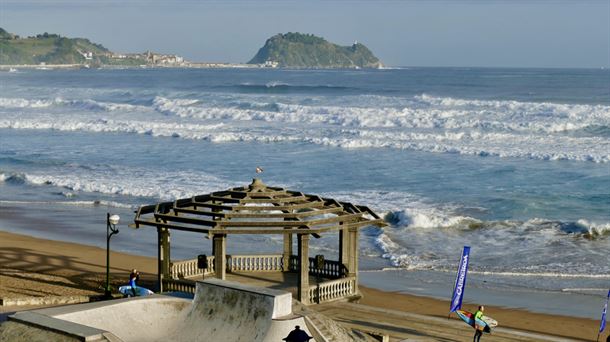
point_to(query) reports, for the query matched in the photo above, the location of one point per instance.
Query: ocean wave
(518, 274)
(124, 181)
(283, 87)
(588, 149)
(542, 274)
(506, 129)
(13, 178)
(423, 113)
(429, 218)
(25, 103)
(87, 104)
(96, 203)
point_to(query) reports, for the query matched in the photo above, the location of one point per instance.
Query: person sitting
(297, 335)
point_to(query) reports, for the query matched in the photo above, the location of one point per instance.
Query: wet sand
(37, 267)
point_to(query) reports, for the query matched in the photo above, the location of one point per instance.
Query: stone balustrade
(332, 290)
(332, 269)
(254, 263)
(188, 268)
(179, 285)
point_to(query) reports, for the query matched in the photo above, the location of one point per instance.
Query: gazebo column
(303, 283)
(287, 252)
(163, 256)
(220, 255)
(352, 266)
(344, 248)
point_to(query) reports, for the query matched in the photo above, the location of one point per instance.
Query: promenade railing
(254, 263)
(188, 268)
(331, 290)
(332, 269)
(340, 286)
(179, 285)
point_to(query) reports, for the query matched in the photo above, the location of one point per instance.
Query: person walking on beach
(134, 276)
(297, 335)
(478, 330)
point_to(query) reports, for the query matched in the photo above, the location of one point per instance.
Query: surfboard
(140, 291)
(490, 321)
(468, 318)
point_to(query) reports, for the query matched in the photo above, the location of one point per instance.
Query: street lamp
(111, 229)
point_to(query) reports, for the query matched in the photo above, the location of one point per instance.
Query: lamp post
(111, 229)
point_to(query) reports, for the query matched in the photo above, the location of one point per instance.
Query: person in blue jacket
(134, 276)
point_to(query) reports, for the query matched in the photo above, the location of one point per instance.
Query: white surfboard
(140, 291)
(490, 321)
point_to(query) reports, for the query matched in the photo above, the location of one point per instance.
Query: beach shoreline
(84, 266)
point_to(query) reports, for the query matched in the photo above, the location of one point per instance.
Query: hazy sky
(515, 33)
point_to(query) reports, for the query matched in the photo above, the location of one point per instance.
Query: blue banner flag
(602, 325)
(460, 281)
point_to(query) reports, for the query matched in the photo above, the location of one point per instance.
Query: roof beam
(186, 219)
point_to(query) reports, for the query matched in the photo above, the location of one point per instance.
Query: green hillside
(299, 50)
(52, 49)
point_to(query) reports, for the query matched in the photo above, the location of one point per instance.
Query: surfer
(134, 276)
(478, 330)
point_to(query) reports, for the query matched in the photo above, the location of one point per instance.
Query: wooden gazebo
(260, 209)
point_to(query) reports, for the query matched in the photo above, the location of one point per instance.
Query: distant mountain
(298, 50)
(53, 49)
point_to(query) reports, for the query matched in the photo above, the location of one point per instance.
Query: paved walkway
(399, 325)
(403, 326)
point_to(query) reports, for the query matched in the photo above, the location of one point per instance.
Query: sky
(460, 33)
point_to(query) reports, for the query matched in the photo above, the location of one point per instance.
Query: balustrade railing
(254, 263)
(188, 268)
(332, 269)
(179, 285)
(332, 290)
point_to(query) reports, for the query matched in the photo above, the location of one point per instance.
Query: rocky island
(289, 50)
(298, 50)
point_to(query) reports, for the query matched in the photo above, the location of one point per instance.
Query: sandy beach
(37, 267)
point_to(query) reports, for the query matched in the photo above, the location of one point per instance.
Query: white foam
(102, 203)
(595, 228)
(24, 103)
(507, 129)
(132, 182)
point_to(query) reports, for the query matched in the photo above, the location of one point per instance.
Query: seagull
(259, 169)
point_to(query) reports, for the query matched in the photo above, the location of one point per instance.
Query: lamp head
(114, 219)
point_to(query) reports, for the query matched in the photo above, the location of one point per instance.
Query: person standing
(297, 335)
(478, 329)
(134, 276)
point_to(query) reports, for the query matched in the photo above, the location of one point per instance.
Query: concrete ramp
(234, 312)
(220, 311)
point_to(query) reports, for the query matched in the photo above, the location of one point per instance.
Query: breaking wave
(125, 182)
(507, 129)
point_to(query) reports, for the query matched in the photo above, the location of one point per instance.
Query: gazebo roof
(257, 209)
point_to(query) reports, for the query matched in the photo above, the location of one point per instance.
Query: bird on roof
(259, 169)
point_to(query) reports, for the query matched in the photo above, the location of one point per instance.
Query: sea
(514, 163)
